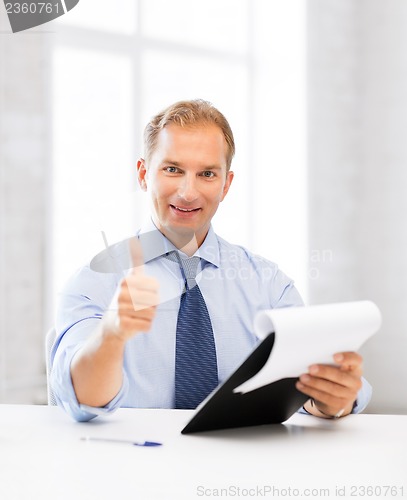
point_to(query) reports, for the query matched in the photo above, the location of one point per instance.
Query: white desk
(43, 457)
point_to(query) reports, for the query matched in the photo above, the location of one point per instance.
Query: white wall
(24, 173)
(357, 122)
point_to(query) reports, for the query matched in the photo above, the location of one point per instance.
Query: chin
(182, 229)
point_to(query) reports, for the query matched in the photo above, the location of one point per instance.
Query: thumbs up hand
(97, 367)
(136, 297)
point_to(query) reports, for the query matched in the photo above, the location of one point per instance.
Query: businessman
(164, 333)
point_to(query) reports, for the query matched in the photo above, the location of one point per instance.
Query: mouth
(184, 211)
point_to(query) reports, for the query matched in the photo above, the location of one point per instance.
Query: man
(121, 339)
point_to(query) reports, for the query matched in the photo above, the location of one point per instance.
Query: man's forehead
(175, 129)
(174, 139)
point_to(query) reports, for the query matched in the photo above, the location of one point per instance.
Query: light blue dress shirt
(235, 284)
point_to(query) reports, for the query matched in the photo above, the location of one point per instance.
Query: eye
(171, 170)
(208, 174)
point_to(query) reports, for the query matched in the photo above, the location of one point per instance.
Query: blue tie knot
(190, 268)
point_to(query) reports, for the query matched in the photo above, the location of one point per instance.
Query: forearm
(97, 368)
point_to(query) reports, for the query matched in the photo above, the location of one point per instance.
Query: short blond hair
(188, 114)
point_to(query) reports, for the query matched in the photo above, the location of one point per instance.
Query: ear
(142, 174)
(229, 179)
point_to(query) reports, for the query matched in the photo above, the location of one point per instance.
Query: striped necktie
(196, 372)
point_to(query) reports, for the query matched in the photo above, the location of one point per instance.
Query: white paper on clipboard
(309, 335)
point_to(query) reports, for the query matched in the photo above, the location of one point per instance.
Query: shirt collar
(155, 244)
(116, 258)
(209, 250)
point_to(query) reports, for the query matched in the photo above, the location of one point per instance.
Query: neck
(189, 246)
(187, 242)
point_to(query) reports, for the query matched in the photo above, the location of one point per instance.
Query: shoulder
(97, 279)
(255, 271)
(241, 255)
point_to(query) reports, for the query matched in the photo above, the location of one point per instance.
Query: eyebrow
(178, 164)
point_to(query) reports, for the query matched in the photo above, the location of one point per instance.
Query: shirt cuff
(364, 397)
(61, 384)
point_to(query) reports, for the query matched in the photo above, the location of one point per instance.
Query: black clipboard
(270, 404)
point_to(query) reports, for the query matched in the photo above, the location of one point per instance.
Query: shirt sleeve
(364, 397)
(81, 307)
(290, 297)
(280, 287)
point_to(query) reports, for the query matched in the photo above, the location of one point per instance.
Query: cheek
(216, 197)
(160, 191)
(213, 202)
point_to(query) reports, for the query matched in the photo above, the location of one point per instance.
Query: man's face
(186, 178)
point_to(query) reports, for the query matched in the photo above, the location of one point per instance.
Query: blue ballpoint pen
(125, 441)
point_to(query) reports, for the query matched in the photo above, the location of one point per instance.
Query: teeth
(185, 209)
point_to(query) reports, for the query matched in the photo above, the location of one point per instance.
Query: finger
(130, 325)
(332, 396)
(328, 393)
(346, 387)
(140, 282)
(327, 403)
(136, 254)
(350, 361)
(145, 313)
(141, 291)
(139, 300)
(334, 374)
(326, 398)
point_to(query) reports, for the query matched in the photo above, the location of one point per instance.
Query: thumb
(136, 254)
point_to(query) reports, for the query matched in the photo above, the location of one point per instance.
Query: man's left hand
(333, 389)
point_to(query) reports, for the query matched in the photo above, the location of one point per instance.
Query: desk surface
(42, 456)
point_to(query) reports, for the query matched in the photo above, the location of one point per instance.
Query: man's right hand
(136, 298)
(97, 368)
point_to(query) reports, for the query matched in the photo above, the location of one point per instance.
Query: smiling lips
(185, 212)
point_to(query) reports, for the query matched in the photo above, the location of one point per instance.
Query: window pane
(167, 79)
(206, 23)
(118, 16)
(279, 149)
(93, 173)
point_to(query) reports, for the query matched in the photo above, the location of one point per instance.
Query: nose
(188, 189)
